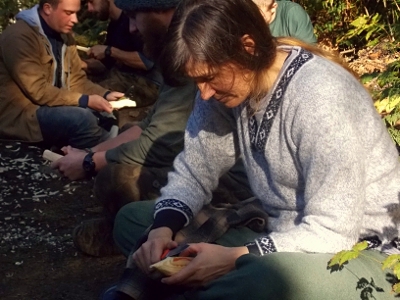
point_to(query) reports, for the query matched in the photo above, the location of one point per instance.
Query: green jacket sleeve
(163, 130)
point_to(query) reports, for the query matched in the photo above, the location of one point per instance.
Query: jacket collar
(48, 31)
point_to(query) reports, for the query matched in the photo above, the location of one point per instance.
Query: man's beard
(104, 12)
(153, 40)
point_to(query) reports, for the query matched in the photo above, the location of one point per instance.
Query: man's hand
(113, 96)
(93, 66)
(99, 104)
(71, 164)
(150, 252)
(210, 262)
(97, 52)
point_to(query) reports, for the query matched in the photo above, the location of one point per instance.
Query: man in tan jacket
(44, 94)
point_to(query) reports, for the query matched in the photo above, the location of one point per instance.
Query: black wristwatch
(253, 248)
(107, 52)
(88, 164)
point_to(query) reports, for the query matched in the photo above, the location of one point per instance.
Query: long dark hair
(211, 32)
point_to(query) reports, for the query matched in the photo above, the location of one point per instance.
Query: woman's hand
(210, 262)
(150, 252)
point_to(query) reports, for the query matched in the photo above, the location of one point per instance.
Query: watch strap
(253, 248)
(88, 164)
(107, 51)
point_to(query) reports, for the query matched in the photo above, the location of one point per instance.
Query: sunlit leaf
(396, 288)
(349, 255)
(360, 246)
(390, 261)
(335, 260)
(396, 270)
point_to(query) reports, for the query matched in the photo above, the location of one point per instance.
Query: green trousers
(280, 276)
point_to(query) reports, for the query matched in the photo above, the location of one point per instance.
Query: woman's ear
(248, 43)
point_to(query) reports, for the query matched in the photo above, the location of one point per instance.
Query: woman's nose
(206, 91)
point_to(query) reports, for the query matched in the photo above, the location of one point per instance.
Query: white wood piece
(51, 156)
(122, 103)
(84, 49)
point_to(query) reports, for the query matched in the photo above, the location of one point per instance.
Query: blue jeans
(70, 125)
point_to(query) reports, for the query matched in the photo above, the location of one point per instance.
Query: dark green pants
(281, 276)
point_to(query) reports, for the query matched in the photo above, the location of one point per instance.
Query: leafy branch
(337, 262)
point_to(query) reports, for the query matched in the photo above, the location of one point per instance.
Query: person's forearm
(128, 135)
(131, 59)
(99, 159)
(160, 232)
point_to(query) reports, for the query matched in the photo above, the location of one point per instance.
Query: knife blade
(174, 252)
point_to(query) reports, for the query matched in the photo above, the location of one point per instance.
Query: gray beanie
(146, 5)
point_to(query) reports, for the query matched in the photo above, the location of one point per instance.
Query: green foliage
(365, 27)
(88, 31)
(345, 256)
(393, 262)
(9, 8)
(354, 23)
(387, 102)
(367, 287)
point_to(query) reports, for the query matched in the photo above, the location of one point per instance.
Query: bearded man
(120, 63)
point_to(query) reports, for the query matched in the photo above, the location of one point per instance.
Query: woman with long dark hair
(316, 153)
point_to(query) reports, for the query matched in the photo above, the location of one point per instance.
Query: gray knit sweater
(317, 155)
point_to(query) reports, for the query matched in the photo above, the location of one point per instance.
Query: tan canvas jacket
(27, 69)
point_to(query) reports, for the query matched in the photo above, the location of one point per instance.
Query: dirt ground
(39, 209)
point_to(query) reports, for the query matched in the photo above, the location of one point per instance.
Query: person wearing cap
(134, 165)
(44, 93)
(119, 64)
(291, 111)
(287, 18)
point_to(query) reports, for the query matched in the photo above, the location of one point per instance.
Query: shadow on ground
(38, 211)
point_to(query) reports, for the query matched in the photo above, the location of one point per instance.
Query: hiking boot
(94, 237)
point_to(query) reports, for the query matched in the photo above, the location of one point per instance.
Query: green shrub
(354, 23)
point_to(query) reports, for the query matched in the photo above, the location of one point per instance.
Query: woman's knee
(301, 276)
(131, 222)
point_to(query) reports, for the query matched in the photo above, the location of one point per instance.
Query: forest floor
(39, 209)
